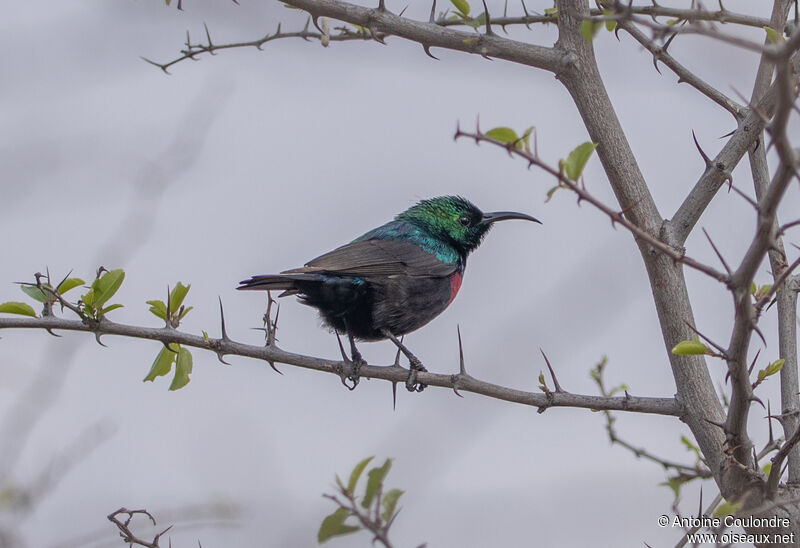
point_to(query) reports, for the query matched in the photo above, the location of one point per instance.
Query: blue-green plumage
(395, 278)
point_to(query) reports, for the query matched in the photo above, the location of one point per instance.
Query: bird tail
(286, 282)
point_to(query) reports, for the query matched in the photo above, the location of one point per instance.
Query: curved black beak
(494, 216)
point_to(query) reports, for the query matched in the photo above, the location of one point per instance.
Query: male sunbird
(395, 278)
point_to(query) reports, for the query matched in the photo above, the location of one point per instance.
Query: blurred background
(252, 162)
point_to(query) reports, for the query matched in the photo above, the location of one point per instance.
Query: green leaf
(772, 35)
(177, 295)
(552, 12)
(108, 309)
(356, 474)
(690, 446)
(184, 312)
(476, 22)
(183, 368)
(552, 191)
(675, 484)
(159, 309)
(775, 366)
(104, 287)
(577, 159)
(526, 137)
(462, 6)
(502, 134)
(690, 348)
(727, 508)
(35, 293)
(621, 388)
(205, 336)
(389, 503)
(376, 477)
(771, 369)
(69, 283)
(334, 525)
(88, 301)
(162, 364)
(589, 29)
(611, 24)
(23, 309)
(339, 483)
(762, 290)
(752, 288)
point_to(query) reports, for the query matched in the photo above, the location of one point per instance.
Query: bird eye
(465, 220)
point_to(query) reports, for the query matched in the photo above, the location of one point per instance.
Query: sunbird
(395, 278)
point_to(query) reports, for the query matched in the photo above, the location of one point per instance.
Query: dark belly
(365, 307)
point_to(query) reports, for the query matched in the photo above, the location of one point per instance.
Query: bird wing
(378, 258)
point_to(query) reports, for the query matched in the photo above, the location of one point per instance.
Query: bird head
(456, 220)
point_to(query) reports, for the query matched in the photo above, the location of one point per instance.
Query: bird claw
(355, 368)
(355, 362)
(411, 382)
(414, 365)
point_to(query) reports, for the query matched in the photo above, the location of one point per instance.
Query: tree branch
(583, 81)
(391, 373)
(690, 472)
(696, 27)
(616, 217)
(683, 74)
(786, 297)
(748, 132)
(699, 14)
(193, 50)
(745, 319)
(429, 34)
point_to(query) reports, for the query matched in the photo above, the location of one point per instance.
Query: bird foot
(351, 380)
(414, 365)
(355, 361)
(411, 382)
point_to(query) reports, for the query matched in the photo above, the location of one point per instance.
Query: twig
(124, 527)
(777, 464)
(690, 471)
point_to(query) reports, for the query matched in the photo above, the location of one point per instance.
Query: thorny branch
(782, 291)
(764, 239)
(687, 471)
(616, 217)
(377, 23)
(392, 373)
(665, 32)
(777, 463)
(720, 168)
(659, 53)
(623, 13)
(192, 50)
(375, 525)
(125, 531)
